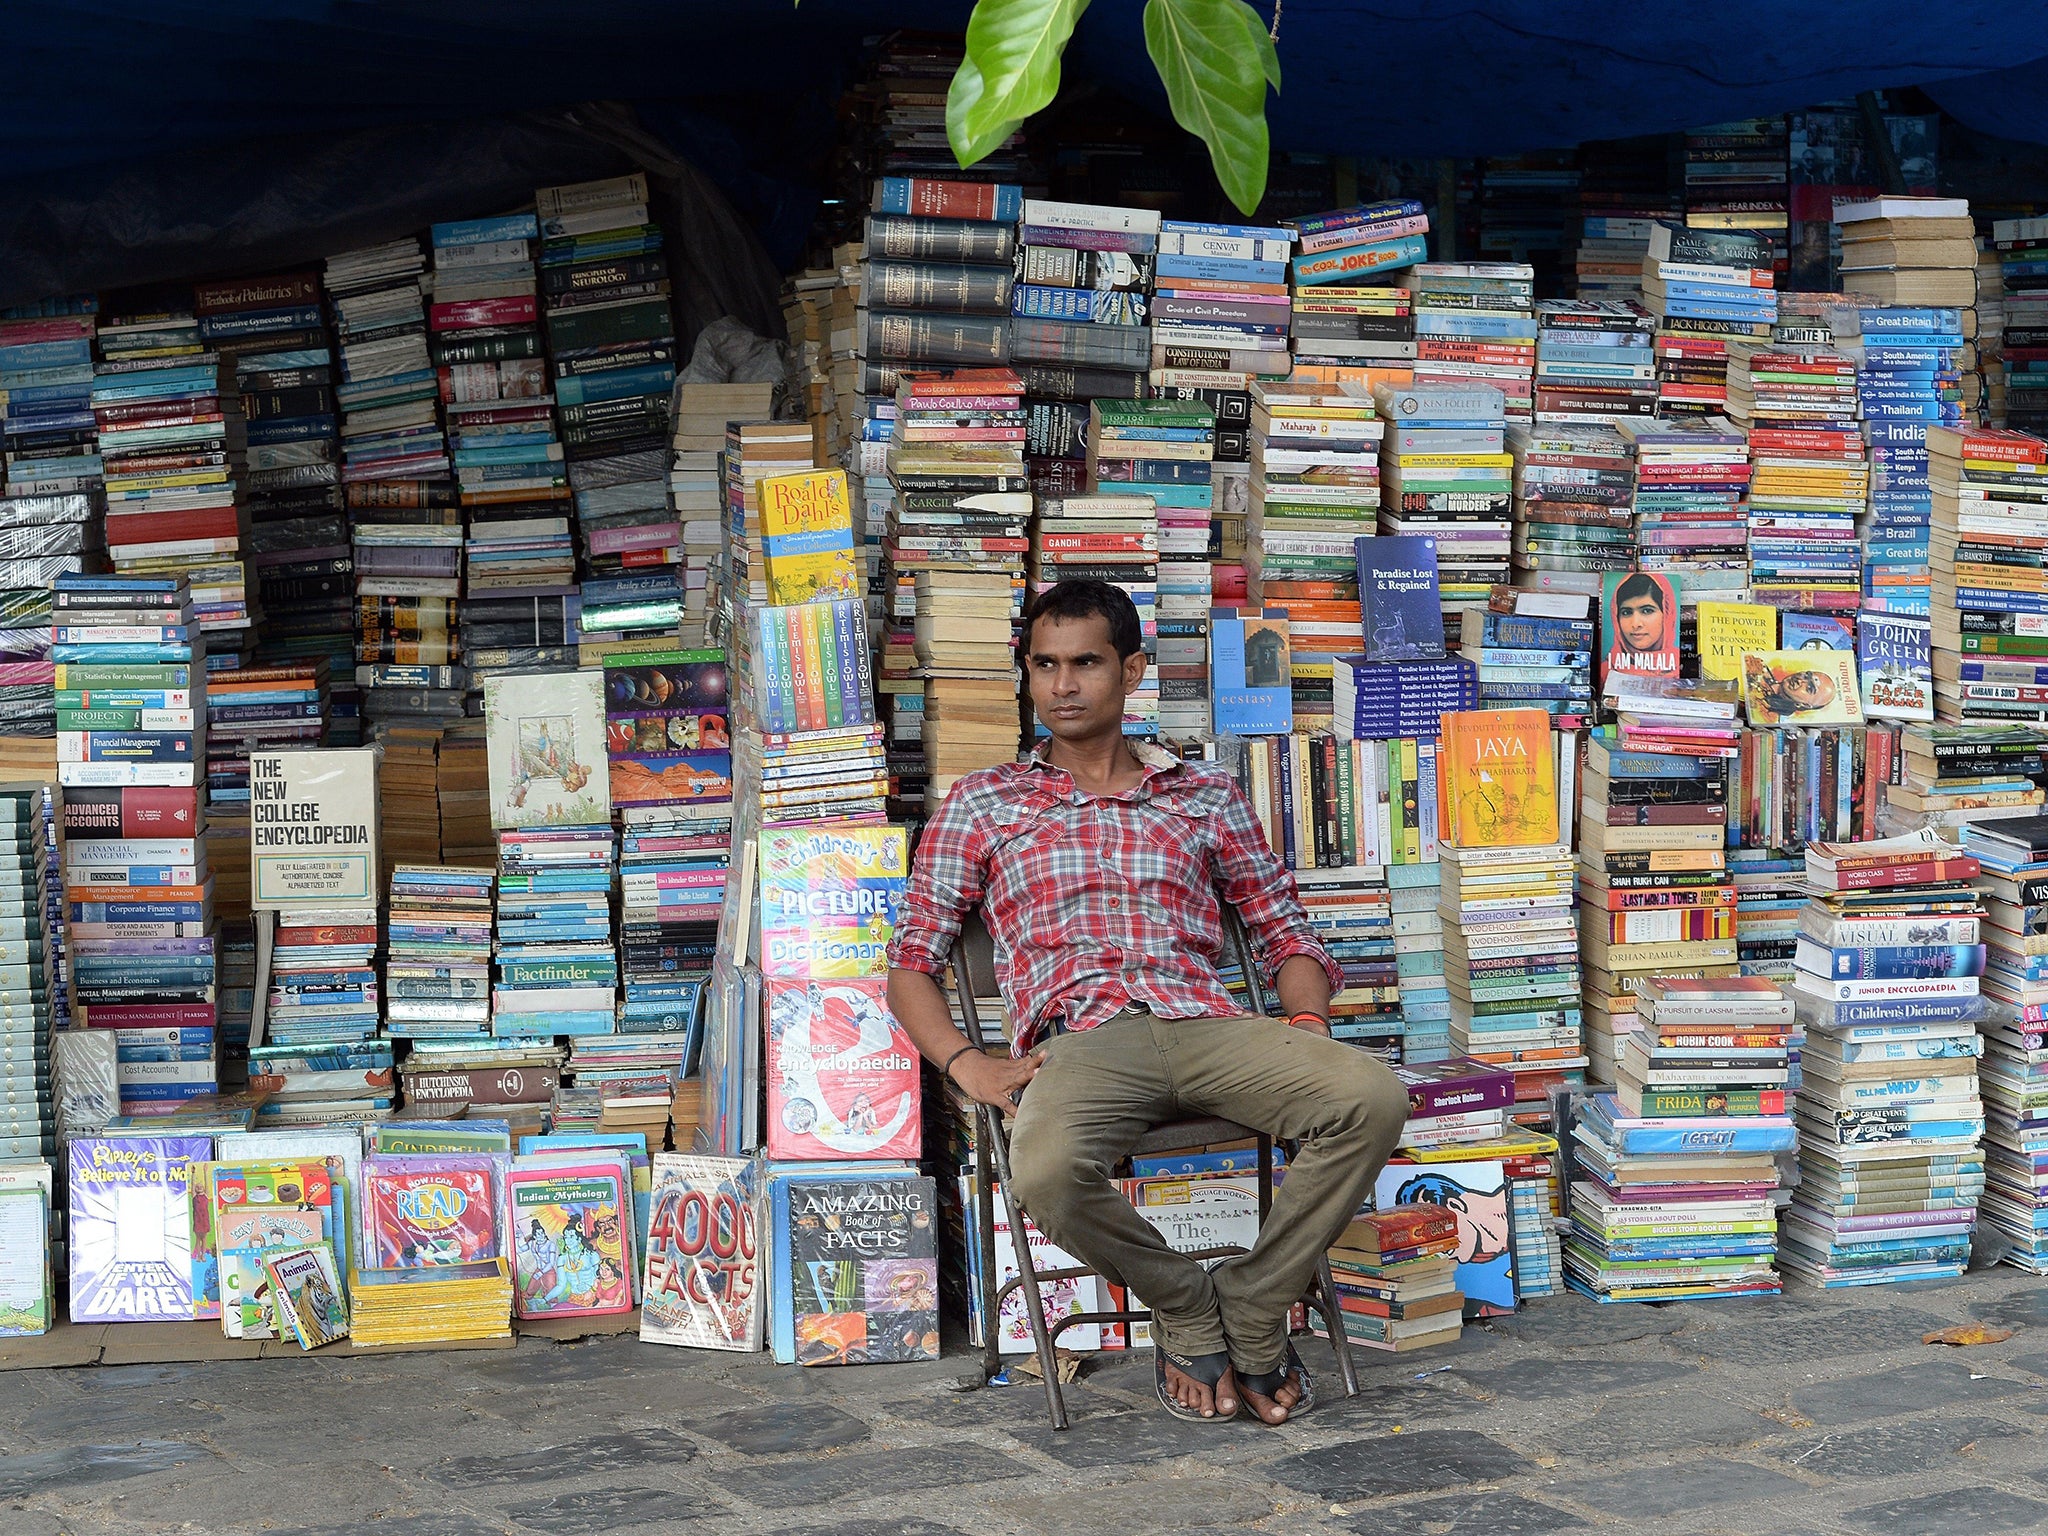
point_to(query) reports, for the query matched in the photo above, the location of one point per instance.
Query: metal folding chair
(973, 975)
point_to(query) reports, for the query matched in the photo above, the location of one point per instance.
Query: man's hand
(1314, 1023)
(990, 1080)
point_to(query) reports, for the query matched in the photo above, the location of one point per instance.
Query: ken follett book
(1400, 604)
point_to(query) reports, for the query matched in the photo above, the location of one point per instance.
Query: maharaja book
(1400, 603)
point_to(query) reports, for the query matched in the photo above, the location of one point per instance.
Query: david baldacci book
(1499, 768)
(544, 735)
(842, 1074)
(1399, 601)
(1895, 666)
(807, 536)
(1730, 631)
(1251, 673)
(703, 1278)
(1815, 687)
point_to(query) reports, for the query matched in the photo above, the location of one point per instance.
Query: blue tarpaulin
(257, 115)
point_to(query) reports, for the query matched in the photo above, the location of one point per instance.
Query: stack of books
(168, 431)
(1463, 499)
(1397, 1278)
(1458, 1101)
(437, 968)
(1221, 288)
(1595, 361)
(2022, 246)
(1809, 476)
(321, 1062)
(1720, 286)
(1984, 392)
(1315, 492)
(807, 741)
(1959, 772)
(2012, 1075)
(1476, 320)
(557, 970)
(130, 744)
(965, 651)
(1989, 534)
(1677, 1181)
(753, 451)
(669, 746)
(33, 977)
(1909, 251)
(1623, 191)
(1534, 652)
(1060, 325)
(49, 537)
(1737, 176)
(1351, 247)
(1112, 538)
(1574, 485)
(1889, 1130)
(434, 1304)
(699, 415)
(51, 437)
(953, 243)
(1692, 484)
(252, 709)
(1655, 894)
(1162, 450)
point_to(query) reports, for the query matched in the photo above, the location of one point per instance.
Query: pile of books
(1720, 286)
(1737, 176)
(1809, 476)
(1692, 484)
(1349, 247)
(1397, 1278)
(1221, 289)
(1462, 499)
(670, 758)
(1573, 488)
(1889, 1128)
(1533, 652)
(808, 745)
(1909, 251)
(323, 980)
(956, 243)
(433, 1304)
(557, 970)
(51, 436)
(754, 451)
(1595, 361)
(1071, 326)
(1677, 1172)
(48, 537)
(2022, 246)
(437, 968)
(1315, 492)
(699, 415)
(32, 977)
(1476, 320)
(1989, 534)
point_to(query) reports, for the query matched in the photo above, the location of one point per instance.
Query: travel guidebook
(545, 736)
(703, 1276)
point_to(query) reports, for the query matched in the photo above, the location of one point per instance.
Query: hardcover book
(830, 896)
(703, 1277)
(1895, 666)
(545, 740)
(305, 1295)
(416, 1216)
(842, 1074)
(1400, 603)
(130, 1230)
(571, 1243)
(856, 1275)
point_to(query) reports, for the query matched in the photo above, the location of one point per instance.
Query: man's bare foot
(1198, 1397)
(1275, 1409)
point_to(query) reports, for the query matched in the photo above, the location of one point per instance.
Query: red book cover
(522, 310)
(133, 811)
(306, 938)
(418, 1216)
(842, 1074)
(953, 199)
(155, 527)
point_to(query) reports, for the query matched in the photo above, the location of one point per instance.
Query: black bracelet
(947, 1070)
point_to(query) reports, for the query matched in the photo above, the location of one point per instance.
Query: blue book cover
(1895, 666)
(1802, 631)
(1400, 603)
(1251, 676)
(1885, 962)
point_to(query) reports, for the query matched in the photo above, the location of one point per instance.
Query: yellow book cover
(1731, 631)
(1503, 778)
(807, 536)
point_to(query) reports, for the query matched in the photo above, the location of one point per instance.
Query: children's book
(842, 1074)
(545, 740)
(429, 1211)
(830, 896)
(129, 1238)
(257, 1208)
(305, 1294)
(703, 1278)
(854, 1278)
(25, 1279)
(571, 1239)
(807, 536)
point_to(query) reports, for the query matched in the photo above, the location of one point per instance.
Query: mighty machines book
(545, 738)
(703, 1278)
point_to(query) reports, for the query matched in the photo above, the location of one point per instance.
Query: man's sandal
(1267, 1384)
(1207, 1369)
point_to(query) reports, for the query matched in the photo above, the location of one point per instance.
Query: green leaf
(1262, 40)
(1216, 84)
(1011, 70)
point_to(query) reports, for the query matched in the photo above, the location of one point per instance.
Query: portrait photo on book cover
(1639, 618)
(1801, 688)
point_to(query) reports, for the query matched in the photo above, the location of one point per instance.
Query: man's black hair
(1087, 599)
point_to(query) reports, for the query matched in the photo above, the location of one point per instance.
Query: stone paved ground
(1812, 1414)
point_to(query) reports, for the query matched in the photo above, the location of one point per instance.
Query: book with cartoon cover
(305, 1294)
(428, 1211)
(842, 1075)
(256, 1208)
(571, 1240)
(544, 737)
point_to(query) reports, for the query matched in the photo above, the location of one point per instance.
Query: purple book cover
(131, 1227)
(1459, 1086)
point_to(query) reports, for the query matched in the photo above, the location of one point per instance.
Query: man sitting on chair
(1097, 863)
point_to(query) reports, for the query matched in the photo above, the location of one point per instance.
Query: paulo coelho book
(1895, 666)
(842, 1074)
(829, 899)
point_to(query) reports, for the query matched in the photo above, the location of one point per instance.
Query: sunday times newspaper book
(544, 733)
(703, 1279)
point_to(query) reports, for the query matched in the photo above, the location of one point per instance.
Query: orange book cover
(1502, 778)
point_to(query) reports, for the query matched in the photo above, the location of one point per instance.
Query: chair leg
(1265, 1176)
(1333, 1326)
(1027, 1274)
(985, 1226)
